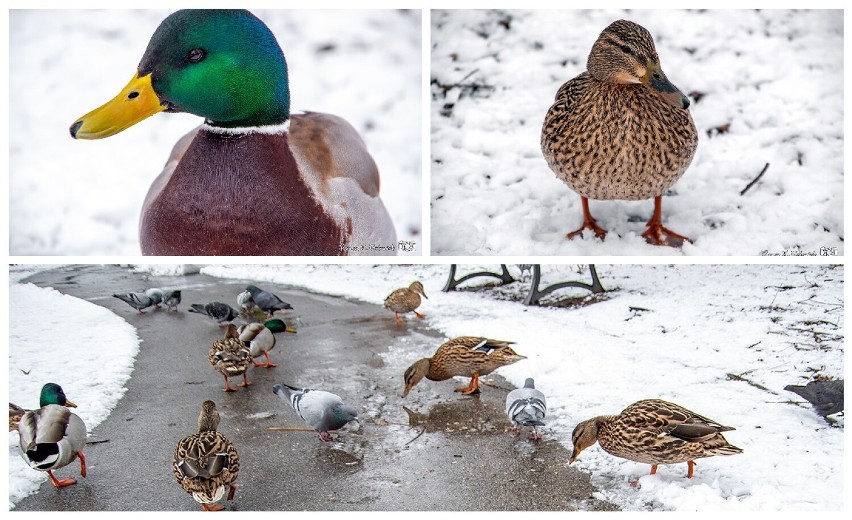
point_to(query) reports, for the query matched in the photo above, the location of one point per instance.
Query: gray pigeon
(267, 301)
(221, 312)
(825, 396)
(156, 295)
(138, 300)
(526, 407)
(245, 303)
(323, 411)
(171, 298)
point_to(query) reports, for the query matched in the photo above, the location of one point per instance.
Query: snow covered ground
(86, 349)
(770, 90)
(84, 198)
(722, 340)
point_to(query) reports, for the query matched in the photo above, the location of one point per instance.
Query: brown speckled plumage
(406, 299)
(654, 432)
(206, 461)
(230, 356)
(620, 130)
(468, 356)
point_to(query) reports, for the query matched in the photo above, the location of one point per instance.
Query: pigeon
(245, 303)
(322, 411)
(156, 295)
(267, 301)
(138, 300)
(260, 339)
(825, 396)
(171, 298)
(526, 407)
(221, 312)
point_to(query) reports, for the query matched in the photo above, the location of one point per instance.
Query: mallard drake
(254, 179)
(205, 463)
(467, 356)
(52, 437)
(654, 432)
(231, 357)
(406, 299)
(260, 339)
(321, 410)
(621, 130)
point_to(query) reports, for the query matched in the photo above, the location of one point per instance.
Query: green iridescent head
(222, 64)
(51, 393)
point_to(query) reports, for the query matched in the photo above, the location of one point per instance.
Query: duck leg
(654, 469)
(60, 483)
(472, 388)
(421, 316)
(245, 382)
(228, 387)
(268, 364)
(589, 222)
(212, 506)
(231, 491)
(82, 464)
(658, 235)
(691, 471)
(396, 317)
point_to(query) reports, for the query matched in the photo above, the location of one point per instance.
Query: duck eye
(657, 75)
(625, 48)
(196, 55)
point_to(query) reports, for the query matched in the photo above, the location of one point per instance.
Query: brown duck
(406, 299)
(621, 130)
(231, 357)
(467, 356)
(654, 432)
(206, 463)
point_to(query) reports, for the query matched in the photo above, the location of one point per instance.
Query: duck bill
(656, 79)
(407, 389)
(135, 102)
(288, 328)
(70, 404)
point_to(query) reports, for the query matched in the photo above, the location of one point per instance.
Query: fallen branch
(416, 436)
(755, 179)
(736, 377)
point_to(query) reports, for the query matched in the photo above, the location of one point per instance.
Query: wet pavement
(434, 450)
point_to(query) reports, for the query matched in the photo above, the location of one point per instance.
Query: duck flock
(206, 464)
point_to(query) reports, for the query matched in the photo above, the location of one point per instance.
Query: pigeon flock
(206, 463)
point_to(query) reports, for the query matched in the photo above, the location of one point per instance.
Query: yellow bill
(135, 102)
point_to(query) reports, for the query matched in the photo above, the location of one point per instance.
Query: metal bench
(535, 293)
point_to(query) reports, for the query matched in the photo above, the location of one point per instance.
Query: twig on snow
(759, 175)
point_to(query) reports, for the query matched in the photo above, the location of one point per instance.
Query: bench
(536, 292)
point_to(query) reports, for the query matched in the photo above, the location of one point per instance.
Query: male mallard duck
(406, 299)
(467, 356)
(654, 432)
(205, 463)
(260, 339)
(251, 180)
(231, 357)
(52, 437)
(621, 130)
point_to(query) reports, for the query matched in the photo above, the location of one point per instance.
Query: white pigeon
(526, 407)
(321, 410)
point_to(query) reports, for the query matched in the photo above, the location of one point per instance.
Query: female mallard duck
(406, 299)
(467, 356)
(52, 437)
(260, 339)
(654, 432)
(231, 357)
(621, 130)
(205, 463)
(252, 180)
(15, 414)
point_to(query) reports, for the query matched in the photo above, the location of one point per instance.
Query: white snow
(85, 348)
(771, 325)
(774, 76)
(65, 63)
